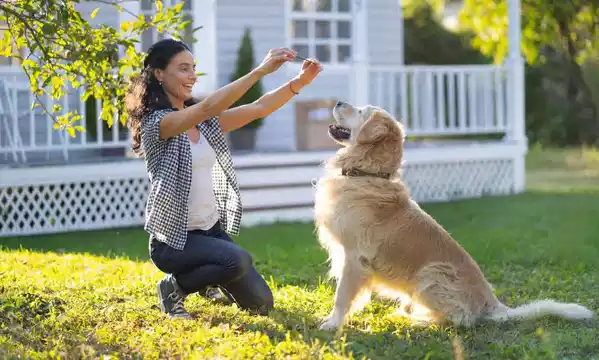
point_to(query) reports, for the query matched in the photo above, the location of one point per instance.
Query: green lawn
(92, 294)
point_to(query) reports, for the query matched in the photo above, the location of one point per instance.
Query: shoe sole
(185, 317)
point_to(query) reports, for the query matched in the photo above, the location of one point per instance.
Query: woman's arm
(177, 122)
(233, 119)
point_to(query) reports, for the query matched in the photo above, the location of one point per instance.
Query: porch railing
(443, 100)
(431, 101)
(25, 132)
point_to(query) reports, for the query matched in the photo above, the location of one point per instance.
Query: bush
(423, 32)
(553, 116)
(245, 64)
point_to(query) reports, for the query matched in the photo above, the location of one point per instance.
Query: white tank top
(202, 203)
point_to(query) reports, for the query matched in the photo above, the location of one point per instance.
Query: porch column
(131, 9)
(515, 87)
(204, 50)
(360, 56)
(402, 35)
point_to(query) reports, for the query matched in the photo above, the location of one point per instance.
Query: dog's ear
(374, 129)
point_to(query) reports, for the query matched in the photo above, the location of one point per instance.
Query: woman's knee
(240, 264)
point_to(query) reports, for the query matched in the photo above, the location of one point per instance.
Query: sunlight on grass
(80, 305)
(92, 295)
(558, 170)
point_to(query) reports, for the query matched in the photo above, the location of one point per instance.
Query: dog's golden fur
(379, 239)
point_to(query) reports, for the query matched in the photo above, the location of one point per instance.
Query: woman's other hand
(310, 70)
(274, 59)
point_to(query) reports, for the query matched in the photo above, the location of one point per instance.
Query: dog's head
(369, 133)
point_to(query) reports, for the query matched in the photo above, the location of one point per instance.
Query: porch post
(204, 50)
(515, 87)
(131, 9)
(360, 56)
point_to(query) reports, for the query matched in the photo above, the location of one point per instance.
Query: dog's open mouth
(339, 132)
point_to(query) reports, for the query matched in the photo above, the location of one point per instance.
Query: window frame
(311, 41)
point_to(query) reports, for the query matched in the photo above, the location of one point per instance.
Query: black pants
(211, 258)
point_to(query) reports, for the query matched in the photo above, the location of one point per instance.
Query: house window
(150, 36)
(321, 29)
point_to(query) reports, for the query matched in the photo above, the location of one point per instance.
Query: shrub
(245, 64)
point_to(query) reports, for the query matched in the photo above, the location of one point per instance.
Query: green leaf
(94, 13)
(71, 53)
(75, 118)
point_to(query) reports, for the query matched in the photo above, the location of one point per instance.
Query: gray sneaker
(171, 300)
(219, 295)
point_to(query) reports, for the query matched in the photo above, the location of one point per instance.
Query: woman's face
(178, 78)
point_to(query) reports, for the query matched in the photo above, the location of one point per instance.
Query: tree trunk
(579, 95)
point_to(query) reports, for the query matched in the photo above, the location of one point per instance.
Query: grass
(92, 294)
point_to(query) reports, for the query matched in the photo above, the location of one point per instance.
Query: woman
(194, 199)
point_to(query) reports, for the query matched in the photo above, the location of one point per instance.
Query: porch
(462, 143)
(440, 105)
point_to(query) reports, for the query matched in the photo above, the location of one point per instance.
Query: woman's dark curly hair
(145, 94)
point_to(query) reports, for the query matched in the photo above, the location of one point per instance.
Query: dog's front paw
(329, 324)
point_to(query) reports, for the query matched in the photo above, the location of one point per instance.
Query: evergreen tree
(245, 64)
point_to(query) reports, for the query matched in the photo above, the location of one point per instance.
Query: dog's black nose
(339, 103)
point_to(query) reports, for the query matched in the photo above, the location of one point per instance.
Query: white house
(326, 29)
(49, 182)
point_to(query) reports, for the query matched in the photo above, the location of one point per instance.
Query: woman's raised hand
(309, 71)
(274, 59)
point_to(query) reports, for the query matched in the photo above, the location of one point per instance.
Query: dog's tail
(540, 308)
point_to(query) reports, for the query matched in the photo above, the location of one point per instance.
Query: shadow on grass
(386, 336)
(552, 226)
(395, 341)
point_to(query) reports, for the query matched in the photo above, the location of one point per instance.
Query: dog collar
(357, 172)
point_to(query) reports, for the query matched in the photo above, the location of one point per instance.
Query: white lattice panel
(72, 206)
(114, 195)
(447, 181)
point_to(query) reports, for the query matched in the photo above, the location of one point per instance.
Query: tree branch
(108, 2)
(27, 25)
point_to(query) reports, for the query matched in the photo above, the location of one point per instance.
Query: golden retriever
(379, 239)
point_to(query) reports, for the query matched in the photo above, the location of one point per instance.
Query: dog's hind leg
(441, 291)
(352, 285)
